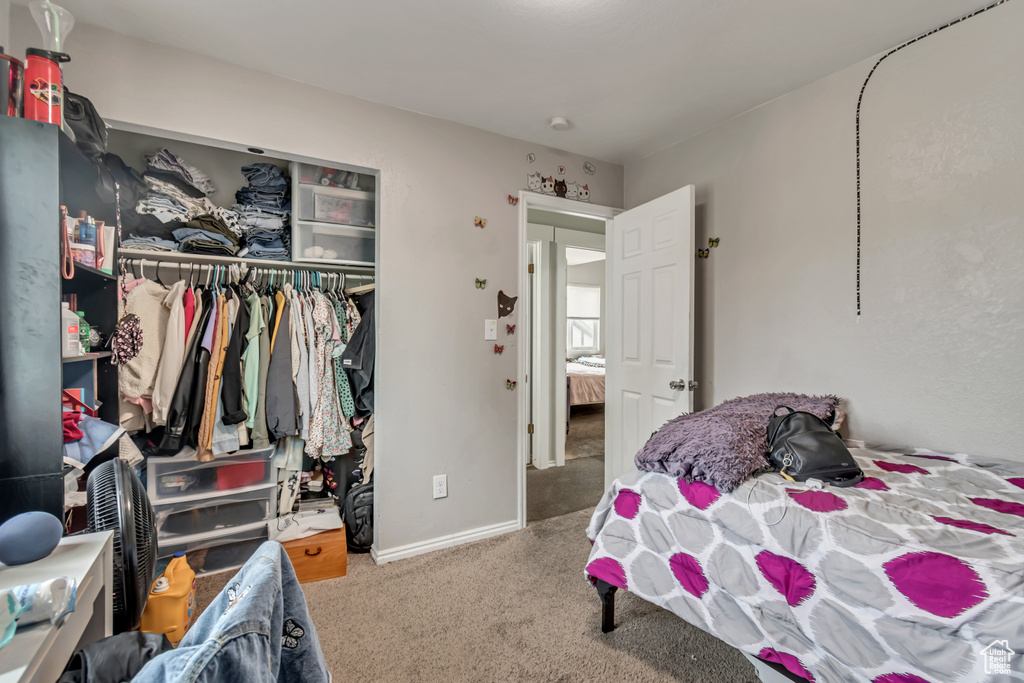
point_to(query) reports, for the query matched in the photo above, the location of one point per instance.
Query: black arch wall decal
(860, 100)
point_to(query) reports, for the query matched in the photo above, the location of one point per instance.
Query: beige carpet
(586, 432)
(510, 608)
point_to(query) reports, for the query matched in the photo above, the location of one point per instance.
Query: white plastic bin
(183, 478)
(334, 205)
(204, 515)
(216, 551)
(324, 243)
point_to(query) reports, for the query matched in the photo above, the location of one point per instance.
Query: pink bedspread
(586, 384)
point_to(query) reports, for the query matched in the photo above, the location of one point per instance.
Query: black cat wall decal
(506, 304)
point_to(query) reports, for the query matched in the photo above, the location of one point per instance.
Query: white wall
(441, 399)
(590, 274)
(937, 358)
(5, 28)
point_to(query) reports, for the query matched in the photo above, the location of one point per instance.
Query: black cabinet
(40, 169)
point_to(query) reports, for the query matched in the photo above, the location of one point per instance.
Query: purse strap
(775, 420)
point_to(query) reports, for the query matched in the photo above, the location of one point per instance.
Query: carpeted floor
(586, 432)
(556, 491)
(511, 608)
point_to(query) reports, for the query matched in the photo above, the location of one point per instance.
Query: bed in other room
(584, 383)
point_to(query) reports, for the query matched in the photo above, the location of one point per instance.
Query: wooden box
(315, 558)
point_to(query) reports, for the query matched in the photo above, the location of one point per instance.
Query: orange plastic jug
(172, 601)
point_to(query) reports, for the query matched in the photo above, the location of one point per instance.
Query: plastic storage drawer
(335, 205)
(184, 478)
(333, 243)
(203, 515)
(217, 551)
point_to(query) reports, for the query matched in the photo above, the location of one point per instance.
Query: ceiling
(577, 257)
(633, 76)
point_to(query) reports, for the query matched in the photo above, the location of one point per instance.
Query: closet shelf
(202, 259)
(92, 276)
(85, 357)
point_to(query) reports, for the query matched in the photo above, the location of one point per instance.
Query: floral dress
(326, 426)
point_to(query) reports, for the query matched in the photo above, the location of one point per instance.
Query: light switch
(490, 330)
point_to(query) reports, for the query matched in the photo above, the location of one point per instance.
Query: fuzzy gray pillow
(726, 444)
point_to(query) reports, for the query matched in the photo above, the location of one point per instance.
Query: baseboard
(404, 551)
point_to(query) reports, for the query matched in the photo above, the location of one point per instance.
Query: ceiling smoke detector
(559, 123)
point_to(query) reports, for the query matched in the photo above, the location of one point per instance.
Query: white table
(41, 651)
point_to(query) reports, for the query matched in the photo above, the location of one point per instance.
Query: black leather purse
(802, 446)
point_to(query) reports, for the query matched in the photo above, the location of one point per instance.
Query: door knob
(681, 385)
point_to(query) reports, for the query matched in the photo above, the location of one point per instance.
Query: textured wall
(937, 359)
(441, 399)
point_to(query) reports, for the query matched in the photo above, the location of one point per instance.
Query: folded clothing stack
(176, 214)
(207, 234)
(263, 211)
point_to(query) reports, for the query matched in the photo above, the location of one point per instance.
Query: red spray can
(44, 90)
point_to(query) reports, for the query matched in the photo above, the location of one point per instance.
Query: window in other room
(583, 318)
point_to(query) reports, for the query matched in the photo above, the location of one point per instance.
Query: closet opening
(562, 420)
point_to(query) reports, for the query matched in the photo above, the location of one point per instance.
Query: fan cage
(117, 502)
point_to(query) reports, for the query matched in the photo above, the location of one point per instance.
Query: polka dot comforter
(916, 574)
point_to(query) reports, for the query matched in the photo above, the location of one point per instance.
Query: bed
(914, 575)
(586, 380)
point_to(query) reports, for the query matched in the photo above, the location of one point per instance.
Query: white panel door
(650, 257)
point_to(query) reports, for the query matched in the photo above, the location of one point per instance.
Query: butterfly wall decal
(480, 222)
(713, 241)
(510, 385)
(513, 200)
(499, 349)
(703, 253)
(510, 329)
(481, 284)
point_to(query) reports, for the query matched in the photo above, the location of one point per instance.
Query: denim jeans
(256, 630)
(265, 177)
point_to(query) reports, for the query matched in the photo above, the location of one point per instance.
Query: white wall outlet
(490, 330)
(441, 486)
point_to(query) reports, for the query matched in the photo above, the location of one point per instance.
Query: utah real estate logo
(997, 657)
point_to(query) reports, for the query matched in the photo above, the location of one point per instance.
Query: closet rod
(190, 269)
(177, 257)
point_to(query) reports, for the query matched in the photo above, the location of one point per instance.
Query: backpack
(357, 511)
(802, 446)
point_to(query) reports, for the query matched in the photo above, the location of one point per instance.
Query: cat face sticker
(560, 188)
(533, 182)
(584, 193)
(547, 185)
(506, 304)
(572, 191)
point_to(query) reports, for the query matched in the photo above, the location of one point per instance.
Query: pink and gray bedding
(586, 383)
(907, 577)
(726, 444)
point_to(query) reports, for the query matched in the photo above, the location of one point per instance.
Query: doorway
(649, 255)
(562, 402)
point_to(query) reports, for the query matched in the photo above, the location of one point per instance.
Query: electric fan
(117, 502)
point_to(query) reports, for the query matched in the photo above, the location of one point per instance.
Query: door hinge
(531, 269)
(529, 429)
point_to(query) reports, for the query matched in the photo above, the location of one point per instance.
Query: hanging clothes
(137, 378)
(348, 406)
(260, 432)
(179, 417)
(172, 357)
(327, 436)
(300, 364)
(218, 350)
(188, 303)
(251, 359)
(231, 392)
(359, 357)
(282, 418)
